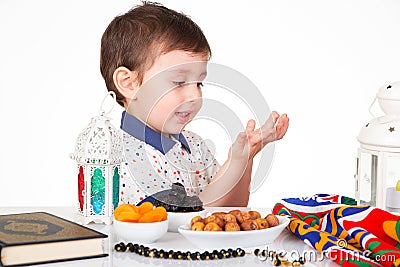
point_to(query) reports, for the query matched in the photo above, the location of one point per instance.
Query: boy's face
(170, 95)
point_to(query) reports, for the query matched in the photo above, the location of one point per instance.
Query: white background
(321, 62)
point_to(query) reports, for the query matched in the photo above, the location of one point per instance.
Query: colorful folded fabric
(347, 234)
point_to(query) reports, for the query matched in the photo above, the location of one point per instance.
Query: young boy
(155, 60)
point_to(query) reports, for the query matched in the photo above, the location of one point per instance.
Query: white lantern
(378, 161)
(98, 154)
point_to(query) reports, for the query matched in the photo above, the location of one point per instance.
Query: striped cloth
(347, 234)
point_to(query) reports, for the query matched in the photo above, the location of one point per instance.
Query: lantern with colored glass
(98, 154)
(378, 161)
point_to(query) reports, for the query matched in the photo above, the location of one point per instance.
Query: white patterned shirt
(153, 161)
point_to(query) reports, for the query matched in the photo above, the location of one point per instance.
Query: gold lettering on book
(35, 228)
(24, 227)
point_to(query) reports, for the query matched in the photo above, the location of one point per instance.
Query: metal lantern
(378, 161)
(98, 154)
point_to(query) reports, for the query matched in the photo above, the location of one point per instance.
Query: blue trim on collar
(141, 131)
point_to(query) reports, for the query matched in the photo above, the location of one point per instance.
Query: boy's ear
(126, 83)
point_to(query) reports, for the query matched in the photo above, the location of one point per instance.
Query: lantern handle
(384, 119)
(370, 112)
(102, 112)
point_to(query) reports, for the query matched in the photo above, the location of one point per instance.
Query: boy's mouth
(183, 117)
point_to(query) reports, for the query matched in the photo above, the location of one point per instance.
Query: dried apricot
(145, 207)
(151, 216)
(124, 208)
(162, 211)
(127, 216)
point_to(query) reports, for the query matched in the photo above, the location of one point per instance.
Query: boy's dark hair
(135, 39)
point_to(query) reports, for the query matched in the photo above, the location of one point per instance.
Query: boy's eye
(179, 83)
(183, 83)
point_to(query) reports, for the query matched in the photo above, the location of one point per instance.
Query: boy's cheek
(154, 88)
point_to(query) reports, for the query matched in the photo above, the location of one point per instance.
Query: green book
(40, 237)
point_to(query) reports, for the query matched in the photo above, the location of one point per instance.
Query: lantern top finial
(389, 98)
(100, 142)
(383, 133)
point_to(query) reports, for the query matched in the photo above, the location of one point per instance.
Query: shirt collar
(141, 131)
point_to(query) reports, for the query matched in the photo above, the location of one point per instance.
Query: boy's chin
(175, 132)
(174, 128)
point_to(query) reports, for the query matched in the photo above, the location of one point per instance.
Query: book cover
(40, 237)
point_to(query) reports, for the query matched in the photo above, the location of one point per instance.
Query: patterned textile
(347, 234)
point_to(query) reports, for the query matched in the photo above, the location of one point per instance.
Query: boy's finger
(266, 133)
(241, 138)
(270, 121)
(251, 125)
(282, 131)
(280, 123)
(282, 126)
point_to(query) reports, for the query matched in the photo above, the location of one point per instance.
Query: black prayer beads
(278, 259)
(178, 255)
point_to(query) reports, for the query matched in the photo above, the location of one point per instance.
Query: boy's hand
(240, 149)
(269, 132)
(248, 144)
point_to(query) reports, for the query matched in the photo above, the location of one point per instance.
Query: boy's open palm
(273, 129)
(233, 178)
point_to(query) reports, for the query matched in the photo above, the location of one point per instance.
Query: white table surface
(286, 241)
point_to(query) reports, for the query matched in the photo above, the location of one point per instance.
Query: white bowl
(143, 233)
(217, 240)
(177, 219)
